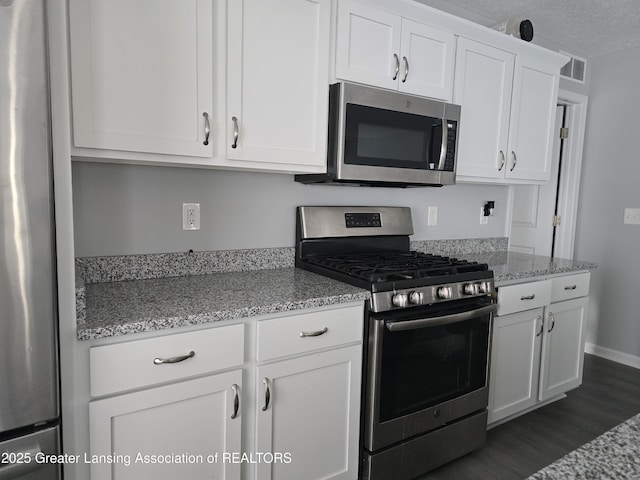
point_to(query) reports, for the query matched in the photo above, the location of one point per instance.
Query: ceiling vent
(575, 69)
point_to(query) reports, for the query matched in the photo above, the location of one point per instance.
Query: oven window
(385, 138)
(427, 366)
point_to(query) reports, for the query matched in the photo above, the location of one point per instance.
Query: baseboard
(614, 355)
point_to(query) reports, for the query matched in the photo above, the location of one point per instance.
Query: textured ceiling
(587, 28)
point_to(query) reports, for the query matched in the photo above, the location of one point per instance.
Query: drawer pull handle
(267, 394)
(570, 287)
(236, 401)
(317, 333)
(528, 297)
(181, 358)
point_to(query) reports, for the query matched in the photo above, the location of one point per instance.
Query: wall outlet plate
(191, 216)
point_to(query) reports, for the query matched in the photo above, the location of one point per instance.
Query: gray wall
(127, 209)
(610, 182)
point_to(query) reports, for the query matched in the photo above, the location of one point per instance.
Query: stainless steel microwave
(384, 138)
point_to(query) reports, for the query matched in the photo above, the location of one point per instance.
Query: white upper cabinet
(277, 84)
(383, 49)
(142, 75)
(508, 102)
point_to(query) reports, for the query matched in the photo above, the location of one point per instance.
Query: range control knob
(445, 293)
(400, 300)
(471, 288)
(485, 287)
(416, 298)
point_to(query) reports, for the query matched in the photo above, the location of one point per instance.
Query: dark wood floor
(610, 394)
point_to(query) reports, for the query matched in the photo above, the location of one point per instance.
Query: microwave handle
(401, 325)
(444, 144)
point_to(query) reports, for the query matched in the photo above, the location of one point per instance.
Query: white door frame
(571, 168)
(569, 188)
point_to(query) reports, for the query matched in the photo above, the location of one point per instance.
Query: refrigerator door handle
(25, 462)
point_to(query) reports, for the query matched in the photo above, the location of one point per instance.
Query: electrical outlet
(191, 216)
(432, 216)
(632, 216)
(483, 219)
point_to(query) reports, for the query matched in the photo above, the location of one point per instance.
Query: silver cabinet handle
(570, 287)
(236, 132)
(515, 160)
(503, 160)
(541, 319)
(207, 128)
(395, 75)
(181, 358)
(317, 333)
(528, 297)
(236, 400)
(553, 322)
(267, 394)
(406, 69)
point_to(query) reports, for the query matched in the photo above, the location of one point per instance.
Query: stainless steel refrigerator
(29, 405)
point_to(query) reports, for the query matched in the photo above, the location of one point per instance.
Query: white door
(312, 414)
(534, 207)
(483, 84)
(428, 57)
(515, 363)
(278, 83)
(142, 75)
(563, 347)
(186, 418)
(367, 45)
(535, 94)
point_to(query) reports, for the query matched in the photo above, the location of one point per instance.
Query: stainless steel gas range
(426, 340)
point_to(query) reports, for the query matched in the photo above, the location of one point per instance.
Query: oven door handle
(399, 326)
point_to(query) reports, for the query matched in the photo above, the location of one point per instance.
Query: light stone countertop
(512, 267)
(120, 308)
(142, 293)
(614, 455)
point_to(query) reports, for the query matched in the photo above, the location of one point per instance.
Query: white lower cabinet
(310, 416)
(308, 395)
(537, 353)
(199, 405)
(168, 432)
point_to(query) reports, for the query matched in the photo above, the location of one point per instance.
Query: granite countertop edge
(141, 311)
(121, 308)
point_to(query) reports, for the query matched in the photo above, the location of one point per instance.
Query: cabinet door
(535, 94)
(367, 45)
(515, 363)
(277, 83)
(312, 414)
(428, 57)
(483, 87)
(142, 75)
(188, 418)
(563, 347)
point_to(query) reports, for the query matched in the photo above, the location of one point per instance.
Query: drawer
(131, 365)
(297, 334)
(571, 286)
(523, 296)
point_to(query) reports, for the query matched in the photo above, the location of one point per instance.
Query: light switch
(432, 216)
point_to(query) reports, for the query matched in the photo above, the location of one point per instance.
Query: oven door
(425, 369)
